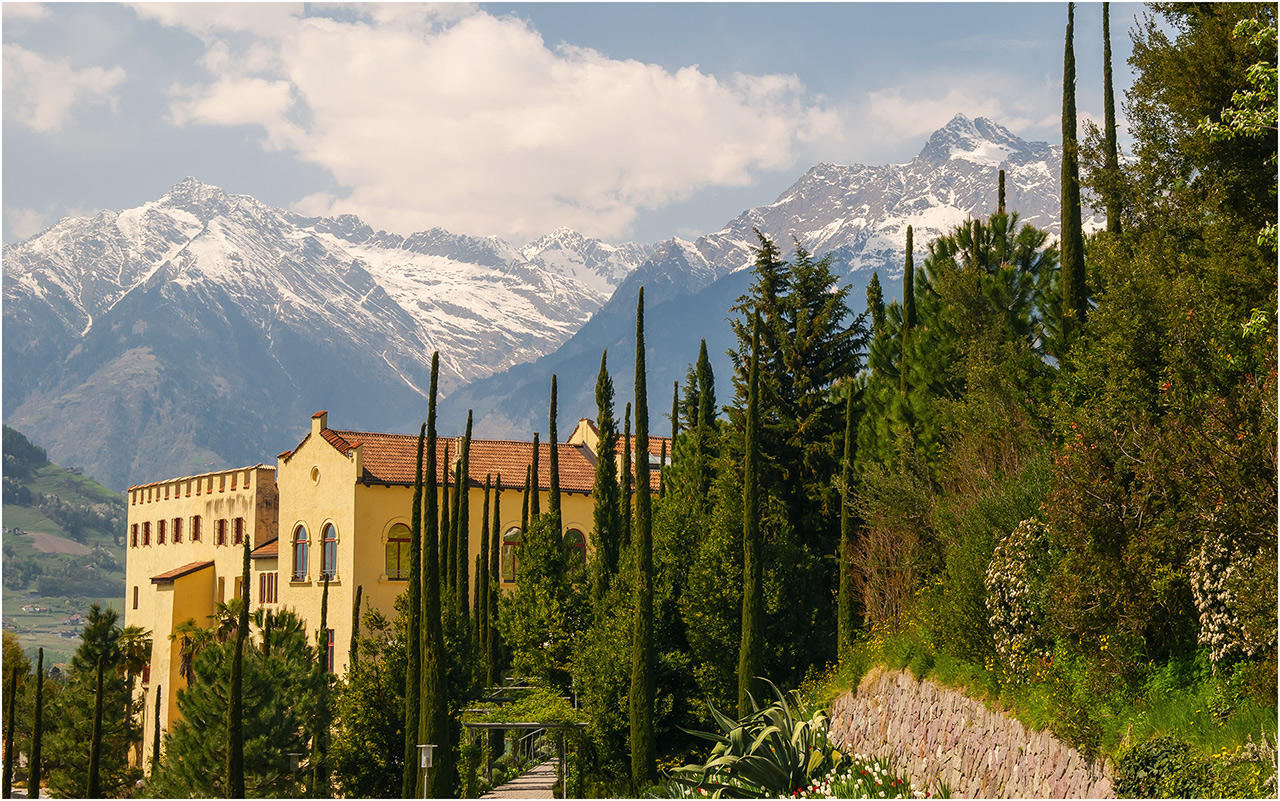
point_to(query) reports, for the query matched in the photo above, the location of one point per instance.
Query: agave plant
(772, 752)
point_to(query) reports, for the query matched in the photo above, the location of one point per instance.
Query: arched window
(397, 566)
(329, 556)
(300, 553)
(578, 542)
(510, 543)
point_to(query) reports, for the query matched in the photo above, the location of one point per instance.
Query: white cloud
(205, 20)
(23, 223)
(453, 117)
(25, 12)
(43, 94)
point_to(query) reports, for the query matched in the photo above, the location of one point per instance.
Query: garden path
(536, 783)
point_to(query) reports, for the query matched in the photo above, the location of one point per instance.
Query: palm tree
(226, 618)
(134, 643)
(194, 639)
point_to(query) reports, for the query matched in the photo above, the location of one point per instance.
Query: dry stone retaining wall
(934, 734)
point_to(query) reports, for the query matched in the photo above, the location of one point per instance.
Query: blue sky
(626, 121)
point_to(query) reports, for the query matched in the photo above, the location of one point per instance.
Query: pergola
(535, 726)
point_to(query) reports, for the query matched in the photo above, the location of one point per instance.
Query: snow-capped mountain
(859, 214)
(597, 264)
(223, 316)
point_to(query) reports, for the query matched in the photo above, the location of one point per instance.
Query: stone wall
(931, 734)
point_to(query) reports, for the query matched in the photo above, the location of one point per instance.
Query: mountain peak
(981, 141)
(197, 197)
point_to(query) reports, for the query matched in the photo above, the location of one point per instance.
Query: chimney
(319, 422)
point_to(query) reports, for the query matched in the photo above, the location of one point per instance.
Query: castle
(337, 505)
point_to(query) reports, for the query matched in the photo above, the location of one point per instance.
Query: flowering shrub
(1215, 580)
(864, 778)
(1014, 578)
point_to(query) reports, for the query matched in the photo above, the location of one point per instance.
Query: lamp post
(295, 762)
(424, 761)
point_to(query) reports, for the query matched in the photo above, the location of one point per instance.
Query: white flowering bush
(1217, 571)
(1014, 578)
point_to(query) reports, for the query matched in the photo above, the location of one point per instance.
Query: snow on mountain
(597, 264)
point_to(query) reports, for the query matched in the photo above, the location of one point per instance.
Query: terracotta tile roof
(655, 445)
(162, 482)
(267, 550)
(391, 458)
(168, 576)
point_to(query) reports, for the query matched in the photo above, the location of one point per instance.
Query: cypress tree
(605, 492)
(909, 300)
(320, 739)
(451, 576)
(999, 197)
(675, 413)
(662, 472)
(524, 506)
(355, 626)
(1111, 165)
(642, 679)
(751, 653)
(705, 424)
(482, 575)
(846, 619)
(491, 589)
(535, 503)
(235, 712)
(463, 524)
(11, 715)
(433, 725)
(35, 766)
(92, 786)
(553, 497)
(413, 661)
(446, 525)
(875, 304)
(155, 738)
(1072, 246)
(628, 485)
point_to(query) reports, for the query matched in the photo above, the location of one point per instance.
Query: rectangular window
(222, 590)
(329, 666)
(146, 673)
(195, 528)
(220, 532)
(135, 596)
(146, 533)
(239, 531)
(160, 529)
(133, 536)
(177, 529)
(239, 591)
(267, 588)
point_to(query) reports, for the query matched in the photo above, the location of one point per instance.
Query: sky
(623, 121)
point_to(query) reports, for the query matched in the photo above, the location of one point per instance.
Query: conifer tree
(1072, 243)
(553, 496)
(413, 660)
(1111, 165)
(235, 711)
(433, 725)
(451, 575)
(846, 616)
(750, 656)
(662, 472)
(605, 492)
(875, 304)
(463, 524)
(320, 738)
(535, 502)
(999, 197)
(643, 752)
(675, 412)
(155, 730)
(704, 425)
(706, 388)
(909, 300)
(11, 721)
(524, 505)
(481, 612)
(95, 743)
(446, 526)
(35, 765)
(628, 483)
(491, 589)
(355, 626)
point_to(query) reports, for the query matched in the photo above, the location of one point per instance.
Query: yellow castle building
(338, 504)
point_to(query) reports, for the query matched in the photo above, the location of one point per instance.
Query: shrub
(1014, 581)
(1162, 767)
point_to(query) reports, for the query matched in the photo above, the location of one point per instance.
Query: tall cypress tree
(909, 301)
(705, 424)
(524, 504)
(643, 752)
(92, 785)
(750, 656)
(355, 627)
(605, 492)
(491, 589)
(413, 656)
(628, 484)
(1111, 165)
(320, 738)
(535, 502)
(846, 616)
(999, 197)
(458, 491)
(235, 712)
(553, 497)
(433, 725)
(11, 720)
(675, 413)
(155, 732)
(875, 304)
(35, 765)
(463, 524)
(446, 525)
(1072, 245)
(481, 611)
(662, 472)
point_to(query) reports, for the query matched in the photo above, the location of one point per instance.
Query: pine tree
(413, 657)
(875, 304)
(35, 765)
(464, 525)
(11, 721)
(750, 656)
(909, 299)
(605, 492)
(235, 710)
(1111, 195)
(846, 615)
(320, 736)
(628, 483)
(535, 503)
(553, 496)
(1072, 242)
(643, 755)
(433, 726)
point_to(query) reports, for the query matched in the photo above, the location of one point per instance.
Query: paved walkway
(536, 783)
